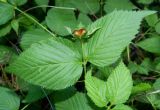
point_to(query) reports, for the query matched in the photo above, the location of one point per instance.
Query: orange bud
(80, 32)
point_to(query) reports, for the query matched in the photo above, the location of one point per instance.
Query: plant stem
(48, 6)
(83, 57)
(109, 107)
(47, 98)
(101, 7)
(25, 107)
(31, 18)
(151, 103)
(128, 53)
(7, 81)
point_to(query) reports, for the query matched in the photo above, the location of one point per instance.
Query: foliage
(79, 55)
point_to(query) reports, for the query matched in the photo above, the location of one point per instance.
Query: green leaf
(119, 85)
(61, 95)
(7, 11)
(15, 25)
(117, 29)
(23, 85)
(42, 2)
(111, 5)
(8, 99)
(152, 20)
(106, 71)
(34, 93)
(4, 30)
(122, 107)
(58, 19)
(33, 36)
(53, 64)
(157, 27)
(146, 2)
(156, 85)
(64, 3)
(133, 67)
(142, 87)
(150, 44)
(154, 99)
(3, 0)
(96, 90)
(26, 22)
(6, 54)
(145, 66)
(17, 2)
(78, 101)
(84, 19)
(85, 6)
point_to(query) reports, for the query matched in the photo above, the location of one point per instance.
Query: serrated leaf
(133, 67)
(150, 44)
(6, 54)
(33, 36)
(61, 95)
(15, 25)
(58, 19)
(4, 51)
(142, 87)
(145, 66)
(26, 22)
(3, 0)
(34, 93)
(106, 71)
(122, 107)
(156, 84)
(119, 85)
(42, 2)
(96, 90)
(154, 99)
(4, 30)
(84, 19)
(17, 2)
(8, 99)
(146, 2)
(157, 27)
(7, 11)
(111, 5)
(53, 64)
(116, 31)
(85, 6)
(78, 101)
(152, 19)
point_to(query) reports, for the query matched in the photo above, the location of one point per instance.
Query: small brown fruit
(79, 33)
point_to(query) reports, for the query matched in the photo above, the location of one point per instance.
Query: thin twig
(47, 98)
(25, 107)
(34, 20)
(41, 6)
(91, 10)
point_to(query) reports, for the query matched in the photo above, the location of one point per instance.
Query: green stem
(47, 98)
(48, 6)
(109, 107)
(128, 53)
(149, 29)
(83, 56)
(7, 81)
(31, 18)
(151, 103)
(85, 69)
(25, 107)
